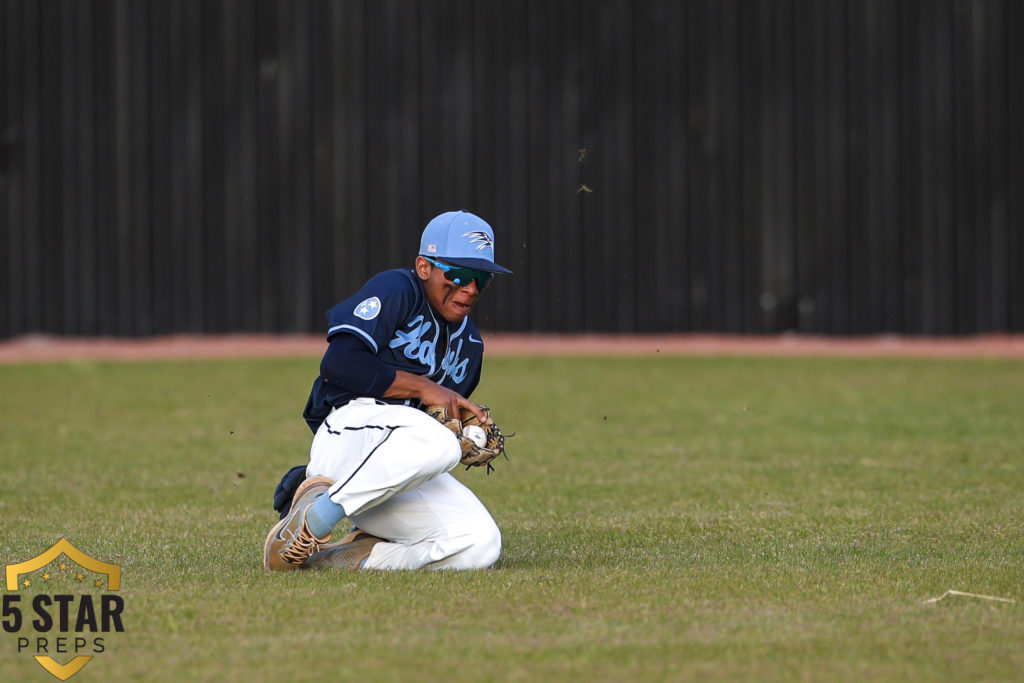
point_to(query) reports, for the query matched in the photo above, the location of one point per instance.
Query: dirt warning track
(42, 348)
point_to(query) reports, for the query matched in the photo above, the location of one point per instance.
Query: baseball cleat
(348, 538)
(350, 555)
(290, 542)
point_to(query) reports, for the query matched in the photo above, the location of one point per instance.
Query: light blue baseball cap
(461, 239)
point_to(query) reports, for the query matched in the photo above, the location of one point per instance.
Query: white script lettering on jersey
(422, 349)
(368, 309)
(454, 367)
(416, 347)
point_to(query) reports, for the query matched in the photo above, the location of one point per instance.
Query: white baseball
(475, 434)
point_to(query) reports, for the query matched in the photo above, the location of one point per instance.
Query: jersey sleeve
(350, 365)
(375, 311)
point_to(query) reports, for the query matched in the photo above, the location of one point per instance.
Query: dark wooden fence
(823, 166)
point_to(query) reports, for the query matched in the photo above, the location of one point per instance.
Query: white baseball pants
(390, 469)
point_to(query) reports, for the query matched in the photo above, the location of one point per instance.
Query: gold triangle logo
(63, 671)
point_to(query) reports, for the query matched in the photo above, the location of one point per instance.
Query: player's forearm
(349, 364)
(409, 385)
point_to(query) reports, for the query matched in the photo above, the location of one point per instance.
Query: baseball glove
(472, 454)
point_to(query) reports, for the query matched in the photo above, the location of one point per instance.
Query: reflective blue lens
(461, 276)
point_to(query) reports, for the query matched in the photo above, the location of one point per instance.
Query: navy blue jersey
(392, 317)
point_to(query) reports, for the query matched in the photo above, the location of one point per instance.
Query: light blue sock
(323, 515)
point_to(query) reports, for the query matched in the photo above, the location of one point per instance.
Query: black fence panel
(750, 166)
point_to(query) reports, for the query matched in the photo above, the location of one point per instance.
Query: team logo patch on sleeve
(368, 309)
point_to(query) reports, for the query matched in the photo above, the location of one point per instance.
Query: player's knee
(485, 548)
(443, 449)
(436, 449)
(453, 453)
(441, 454)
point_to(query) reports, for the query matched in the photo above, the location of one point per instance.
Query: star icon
(26, 583)
(79, 576)
(98, 583)
(63, 566)
(46, 576)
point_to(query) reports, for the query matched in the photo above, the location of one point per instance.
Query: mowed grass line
(663, 519)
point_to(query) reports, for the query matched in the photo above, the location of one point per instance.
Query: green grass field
(663, 519)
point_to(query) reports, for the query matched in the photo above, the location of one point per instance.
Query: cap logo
(480, 237)
(432, 248)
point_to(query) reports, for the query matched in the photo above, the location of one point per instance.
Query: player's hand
(453, 402)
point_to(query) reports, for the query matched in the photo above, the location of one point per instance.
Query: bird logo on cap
(480, 237)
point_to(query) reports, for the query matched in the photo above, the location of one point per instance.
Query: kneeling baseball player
(391, 418)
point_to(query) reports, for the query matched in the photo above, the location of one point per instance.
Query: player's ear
(423, 268)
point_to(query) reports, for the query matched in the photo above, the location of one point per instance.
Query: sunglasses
(462, 276)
